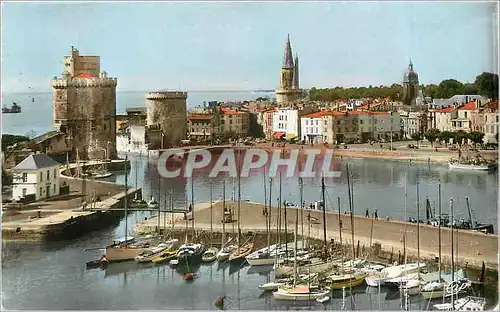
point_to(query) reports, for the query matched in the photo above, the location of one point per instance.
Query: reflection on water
(374, 182)
(53, 276)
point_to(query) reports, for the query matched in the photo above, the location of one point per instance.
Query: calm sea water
(37, 116)
(53, 276)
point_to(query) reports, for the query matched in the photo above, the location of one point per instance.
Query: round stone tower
(166, 111)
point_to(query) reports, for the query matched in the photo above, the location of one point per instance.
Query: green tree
(10, 139)
(459, 137)
(417, 137)
(476, 137)
(449, 88)
(446, 136)
(487, 85)
(432, 135)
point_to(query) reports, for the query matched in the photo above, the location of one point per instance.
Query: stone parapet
(61, 83)
(166, 95)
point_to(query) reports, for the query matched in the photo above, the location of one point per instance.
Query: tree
(432, 135)
(459, 136)
(487, 85)
(10, 139)
(476, 137)
(446, 136)
(417, 137)
(449, 88)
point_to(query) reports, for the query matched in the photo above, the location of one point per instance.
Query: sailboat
(226, 248)
(299, 292)
(190, 252)
(345, 278)
(211, 253)
(125, 249)
(102, 170)
(244, 250)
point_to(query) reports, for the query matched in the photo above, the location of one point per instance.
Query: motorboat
(240, 253)
(14, 109)
(148, 254)
(165, 256)
(272, 286)
(101, 263)
(434, 290)
(300, 293)
(477, 164)
(302, 278)
(391, 272)
(153, 204)
(353, 278)
(225, 252)
(210, 254)
(190, 252)
(468, 303)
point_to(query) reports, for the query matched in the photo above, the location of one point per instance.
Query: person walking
(367, 214)
(376, 214)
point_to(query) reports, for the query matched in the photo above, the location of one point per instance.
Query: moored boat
(165, 256)
(346, 280)
(190, 252)
(14, 109)
(300, 293)
(477, 164)
(241, 252)
(210, 254)
(392, 272)
(224, 253)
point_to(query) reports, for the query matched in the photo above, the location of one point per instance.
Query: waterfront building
(200, 126)
(490, 130)
(467, 118)
(289, 90)
(166, 118)
(231, 121)
(360, 126)
(84, 106)
(457, 100)
(412, 122)
(311, 126)
(410, 86)
(35, 178)
(441, 118)
(267, 126)
(286, 123)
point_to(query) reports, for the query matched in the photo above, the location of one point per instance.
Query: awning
(291, 136)
(278, 135)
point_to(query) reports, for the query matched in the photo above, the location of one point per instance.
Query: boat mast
(172, 209)
(159, 205)
(211, 214)
(406, 218)
(470, 214)
(192, 208)
(325, 247)
(286, 229)
(279, 214)
(452, 256)
(418, 232)
(223, 214)
(439, 231)
(295, 238)
(301, 182)
(351, 209)
(125, 199)
(266, 213)
(340, 233)
(269, 211)
(239, 198)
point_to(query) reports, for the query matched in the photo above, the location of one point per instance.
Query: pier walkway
(471, 247)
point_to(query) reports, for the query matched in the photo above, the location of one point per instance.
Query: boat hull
(263, 261)
(314, 268)
(355, 281)
(488, 167)
(114, 254)
(299, 297)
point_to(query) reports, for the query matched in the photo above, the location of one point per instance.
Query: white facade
(411, 123)
(133, 141)
(286, 120)
(42, 182)
(490, 127)
(444, 117)
(311, 128)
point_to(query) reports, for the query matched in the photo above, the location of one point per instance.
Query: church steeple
(288, 57)
(296, 72)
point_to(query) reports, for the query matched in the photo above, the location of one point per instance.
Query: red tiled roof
(446, 109)
(315, 115)
(493, 106)
(278, 135)
(227, 111)
(469, 106)
(199, 117)
(373, 104)
(84, 75)
(272, 110)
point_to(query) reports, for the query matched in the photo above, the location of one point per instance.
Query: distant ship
(14, 109)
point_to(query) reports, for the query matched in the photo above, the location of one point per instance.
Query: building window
(306, 122)
(55, 173)
(465, 114)
(41, 176)
(316, 122)
(48, 175)
(25, 178)
(92, 125)
(54, 189)
(41, 191)
(25, 191)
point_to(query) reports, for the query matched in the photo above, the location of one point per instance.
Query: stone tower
(410, 86)
(166, 111)
(84, 106)
(289, 89)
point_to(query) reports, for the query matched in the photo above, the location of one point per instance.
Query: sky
(239, 46)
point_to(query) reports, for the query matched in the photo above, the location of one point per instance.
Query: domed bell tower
(410, 86)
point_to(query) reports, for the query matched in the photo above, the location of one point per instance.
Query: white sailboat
(226, 248)
(211, 253)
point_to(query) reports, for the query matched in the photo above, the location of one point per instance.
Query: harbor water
(53, 276)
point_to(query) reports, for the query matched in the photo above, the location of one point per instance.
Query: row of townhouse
(220, 120)
(471, 116)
